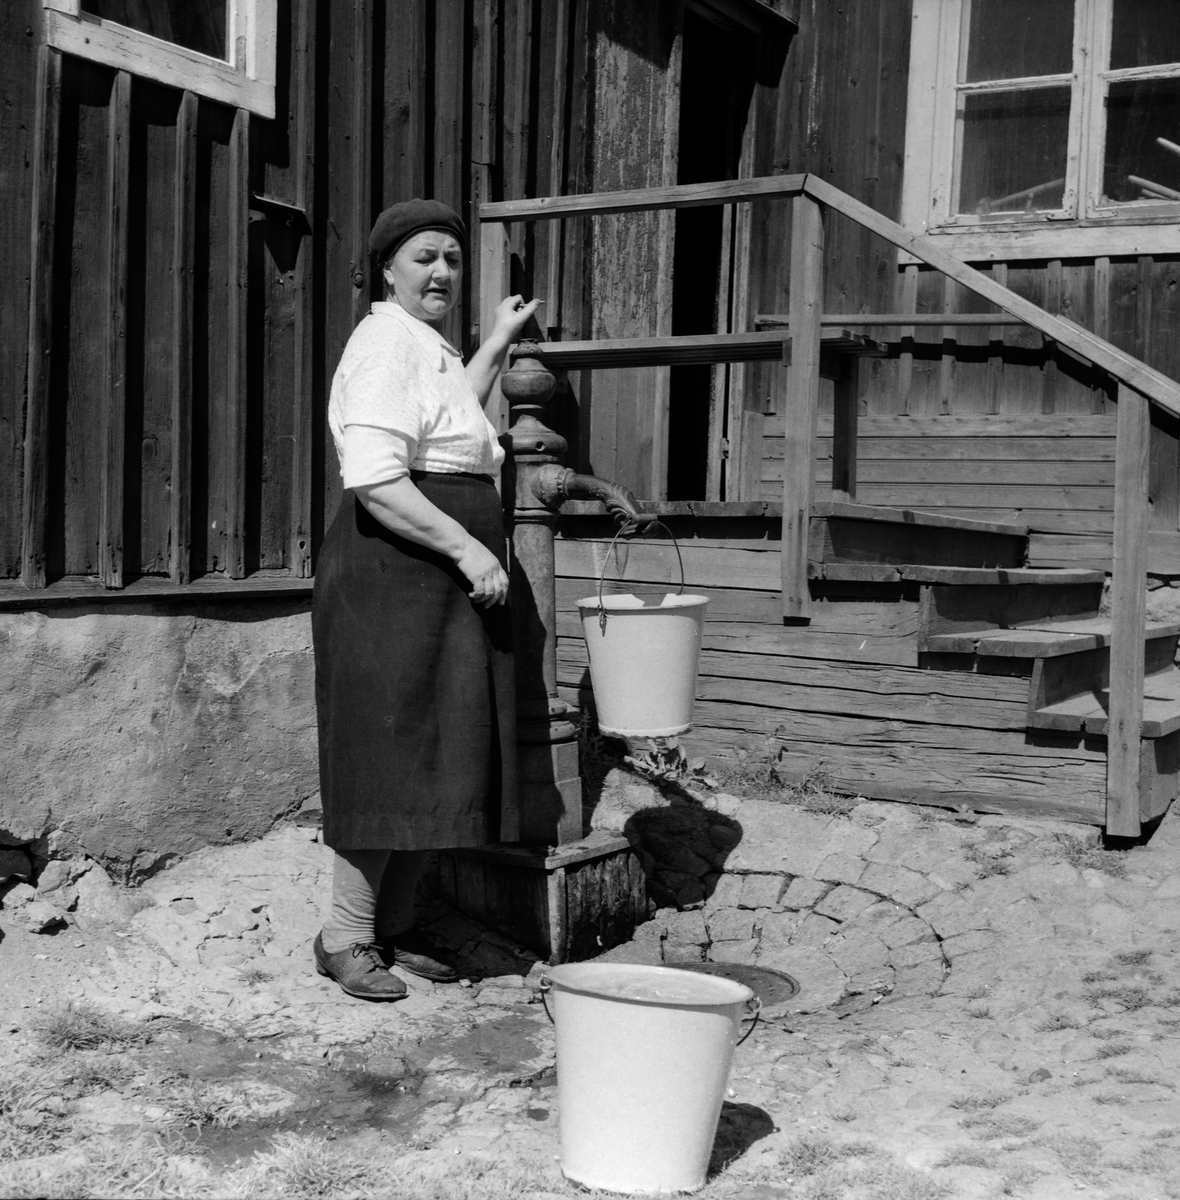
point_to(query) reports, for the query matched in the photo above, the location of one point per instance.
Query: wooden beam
(1128, 613)
(234, 433)
(859, 320)
(183, 253)
(110, 521)
(682, 195)
(1158, 388)
(699, 348)
(493, 287)
(35, 499)
(801, 409)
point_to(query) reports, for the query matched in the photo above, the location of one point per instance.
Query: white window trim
(246, 81)
(928, 182)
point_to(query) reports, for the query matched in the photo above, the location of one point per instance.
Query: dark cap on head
(399, 221)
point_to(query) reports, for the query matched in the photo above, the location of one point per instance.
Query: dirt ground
(173, 1040)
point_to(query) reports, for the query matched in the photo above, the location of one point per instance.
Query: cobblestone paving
(989, 1007)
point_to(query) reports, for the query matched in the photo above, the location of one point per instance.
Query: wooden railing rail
(1157, 387)
(680, 195)
(1138, 387)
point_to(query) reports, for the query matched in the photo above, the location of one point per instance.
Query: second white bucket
(644, 653)
(643, 1057)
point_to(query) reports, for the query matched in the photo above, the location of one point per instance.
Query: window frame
(1083, 226)
(245, 80)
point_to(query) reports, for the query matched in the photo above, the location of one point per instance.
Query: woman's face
(425, 272)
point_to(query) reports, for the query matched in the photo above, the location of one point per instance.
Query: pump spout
(555, 485)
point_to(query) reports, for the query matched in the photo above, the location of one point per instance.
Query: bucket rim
(672, 600)
(741, 994)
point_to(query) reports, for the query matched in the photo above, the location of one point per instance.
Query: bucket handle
(610, 550)
(753, 1007)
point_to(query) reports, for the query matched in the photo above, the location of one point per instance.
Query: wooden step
(1040, 640)
(866, 535)
(950, 575)
(969, 609)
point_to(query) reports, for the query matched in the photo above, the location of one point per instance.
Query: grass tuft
(812, 1153)
(1133, 1075)
(85, 1026)
(1094, 858)
(979, 1011)
(1131, 996)
(965, 1156)
(1112, 1050)
(990, 1125)
(308, 1167)
(1079, 1156)
(195, 1107)
(759, 774)
(1057, 1022)
(1132, 958)
(981, 1102)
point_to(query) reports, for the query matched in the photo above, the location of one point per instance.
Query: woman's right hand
(489, 582)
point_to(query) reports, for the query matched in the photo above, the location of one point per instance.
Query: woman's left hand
(512, 314)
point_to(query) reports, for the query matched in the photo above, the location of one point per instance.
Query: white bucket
(644, 654)
(643, 1057)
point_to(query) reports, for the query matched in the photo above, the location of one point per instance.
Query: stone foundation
(138, 733)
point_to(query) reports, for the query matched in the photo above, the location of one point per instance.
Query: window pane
(1138, 114)
(197, 24)
(1014, 146)
(1012, 39)
(1144, 33)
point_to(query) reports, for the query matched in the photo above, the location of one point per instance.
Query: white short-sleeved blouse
(401, 401)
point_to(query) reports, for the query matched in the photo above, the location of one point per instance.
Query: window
(222, 49)
(1044, 129)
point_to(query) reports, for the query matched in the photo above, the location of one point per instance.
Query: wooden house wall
(987, 422)
(195, 271)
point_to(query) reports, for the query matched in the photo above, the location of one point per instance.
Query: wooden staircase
(967, 572)
(980, 612)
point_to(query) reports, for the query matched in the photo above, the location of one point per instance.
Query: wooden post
(1128, 612)
(35, 499)
(236, 418)
(110, 535)
(802, 401)
(494, 278)
(844, 421)
(183, 255)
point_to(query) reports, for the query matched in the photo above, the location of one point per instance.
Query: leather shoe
(411, 951)
(359, 971)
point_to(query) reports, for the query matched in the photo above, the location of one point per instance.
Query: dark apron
(414, 683)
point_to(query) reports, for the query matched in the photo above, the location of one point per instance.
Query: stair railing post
(495, 280)
(1128, 613)
(802, 401)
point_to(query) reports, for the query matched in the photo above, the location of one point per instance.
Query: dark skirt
(414, 683)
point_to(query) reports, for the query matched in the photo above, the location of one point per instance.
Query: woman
(411, 631)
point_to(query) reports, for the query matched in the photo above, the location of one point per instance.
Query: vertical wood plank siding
(34, 496)
(110, 531)
(181, 381)
(244, 268)
(196, 272)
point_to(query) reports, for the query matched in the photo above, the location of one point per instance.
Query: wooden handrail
(766, 345)
(1158, 388)
(888, 319)
(681, 195)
